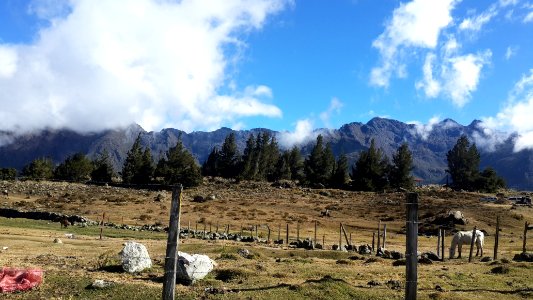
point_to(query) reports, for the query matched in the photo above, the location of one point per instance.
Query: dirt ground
(244, 205)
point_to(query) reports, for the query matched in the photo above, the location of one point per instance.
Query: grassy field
(273, 272)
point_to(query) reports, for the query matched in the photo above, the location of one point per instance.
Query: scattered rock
(500, 270)
(244, 253)
(394, 284)
(439, 288)
(192, 268)
(135, 257)
(373, 283)
(399, 262)
(486, 259)
(431, 255)
(101, 284)
(365, 249)
(525, 256)
(211, 197)
(198, 199)
(58, 241)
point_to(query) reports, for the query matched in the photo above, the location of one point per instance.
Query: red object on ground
(12, 279)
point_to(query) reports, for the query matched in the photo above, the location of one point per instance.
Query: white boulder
(135, 257)
(194, 267)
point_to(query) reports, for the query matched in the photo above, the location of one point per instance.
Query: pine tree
(283, 168)
(40, 168)
(138, 167)
(75, 168)
(489, 181)
(249, 159)
(318, 167)
(369, 172)
(463, 164)
(340, 176)
(179, 166)
(102, 169)
(296, 164)
(210, 166)
(229, 158)
(400, 176)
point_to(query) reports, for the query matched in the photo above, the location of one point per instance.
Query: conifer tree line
(263, 160)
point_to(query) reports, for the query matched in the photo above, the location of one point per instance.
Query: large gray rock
(135, 257)
(194, 267)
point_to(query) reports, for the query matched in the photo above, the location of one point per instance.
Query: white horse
(465, 237)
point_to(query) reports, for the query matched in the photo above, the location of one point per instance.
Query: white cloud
(424, 130)
(475, 23)
(8, 61)
(529, 17)
(516, 115)
(158, 63)
(414, 24)
(430, 86)
(303, 132)
(334, 108)
(462, 75)
(510, 52)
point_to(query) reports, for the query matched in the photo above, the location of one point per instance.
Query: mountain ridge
(428, 143)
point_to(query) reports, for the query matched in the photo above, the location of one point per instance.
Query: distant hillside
(429, 146)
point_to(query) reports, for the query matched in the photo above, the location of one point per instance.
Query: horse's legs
(459, 249)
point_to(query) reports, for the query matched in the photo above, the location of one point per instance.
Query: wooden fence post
(345, 235)
(102, 225)
(324, 241)
(525, 237)
(497, 238)
(287, 236)
(279, 232)
(411, 247)
(316, 225)
(438, 243)
(379, 236)
(297, 231)
(189, 229)
(171, 258)
(373, 240)
(340, 237)
(268, 238)
(384, 235)
(472, 244)
(442, 243)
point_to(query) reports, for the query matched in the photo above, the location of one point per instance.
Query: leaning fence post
(169, 283)
(297, 231)
(497, 238)
(279, 232)
(102, 225)
(472, 244)
(411, 247)
(340, 237)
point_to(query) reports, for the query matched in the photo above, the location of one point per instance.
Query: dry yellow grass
(275, 271)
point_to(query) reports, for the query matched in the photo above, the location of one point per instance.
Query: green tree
(102, 169)
(463, 164)
(8, 174)
(340, 176)
(296, 163)
(402, 165)
(138, 167)
(318, 167)
(210, 166)
(40, 168)
(489, 181)
(179, 166)
(283, 169)
(369, 172)
(250, 164)
(76, 167)
(229, 158)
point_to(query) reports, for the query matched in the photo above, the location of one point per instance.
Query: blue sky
(280, 64)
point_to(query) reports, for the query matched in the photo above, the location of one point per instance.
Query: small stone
(101, 284)
(58, 241)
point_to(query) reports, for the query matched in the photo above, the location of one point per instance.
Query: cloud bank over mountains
(157, 63)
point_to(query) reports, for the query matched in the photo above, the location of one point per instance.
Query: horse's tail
(480, 239)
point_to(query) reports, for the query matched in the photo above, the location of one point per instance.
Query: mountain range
(428, 143)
